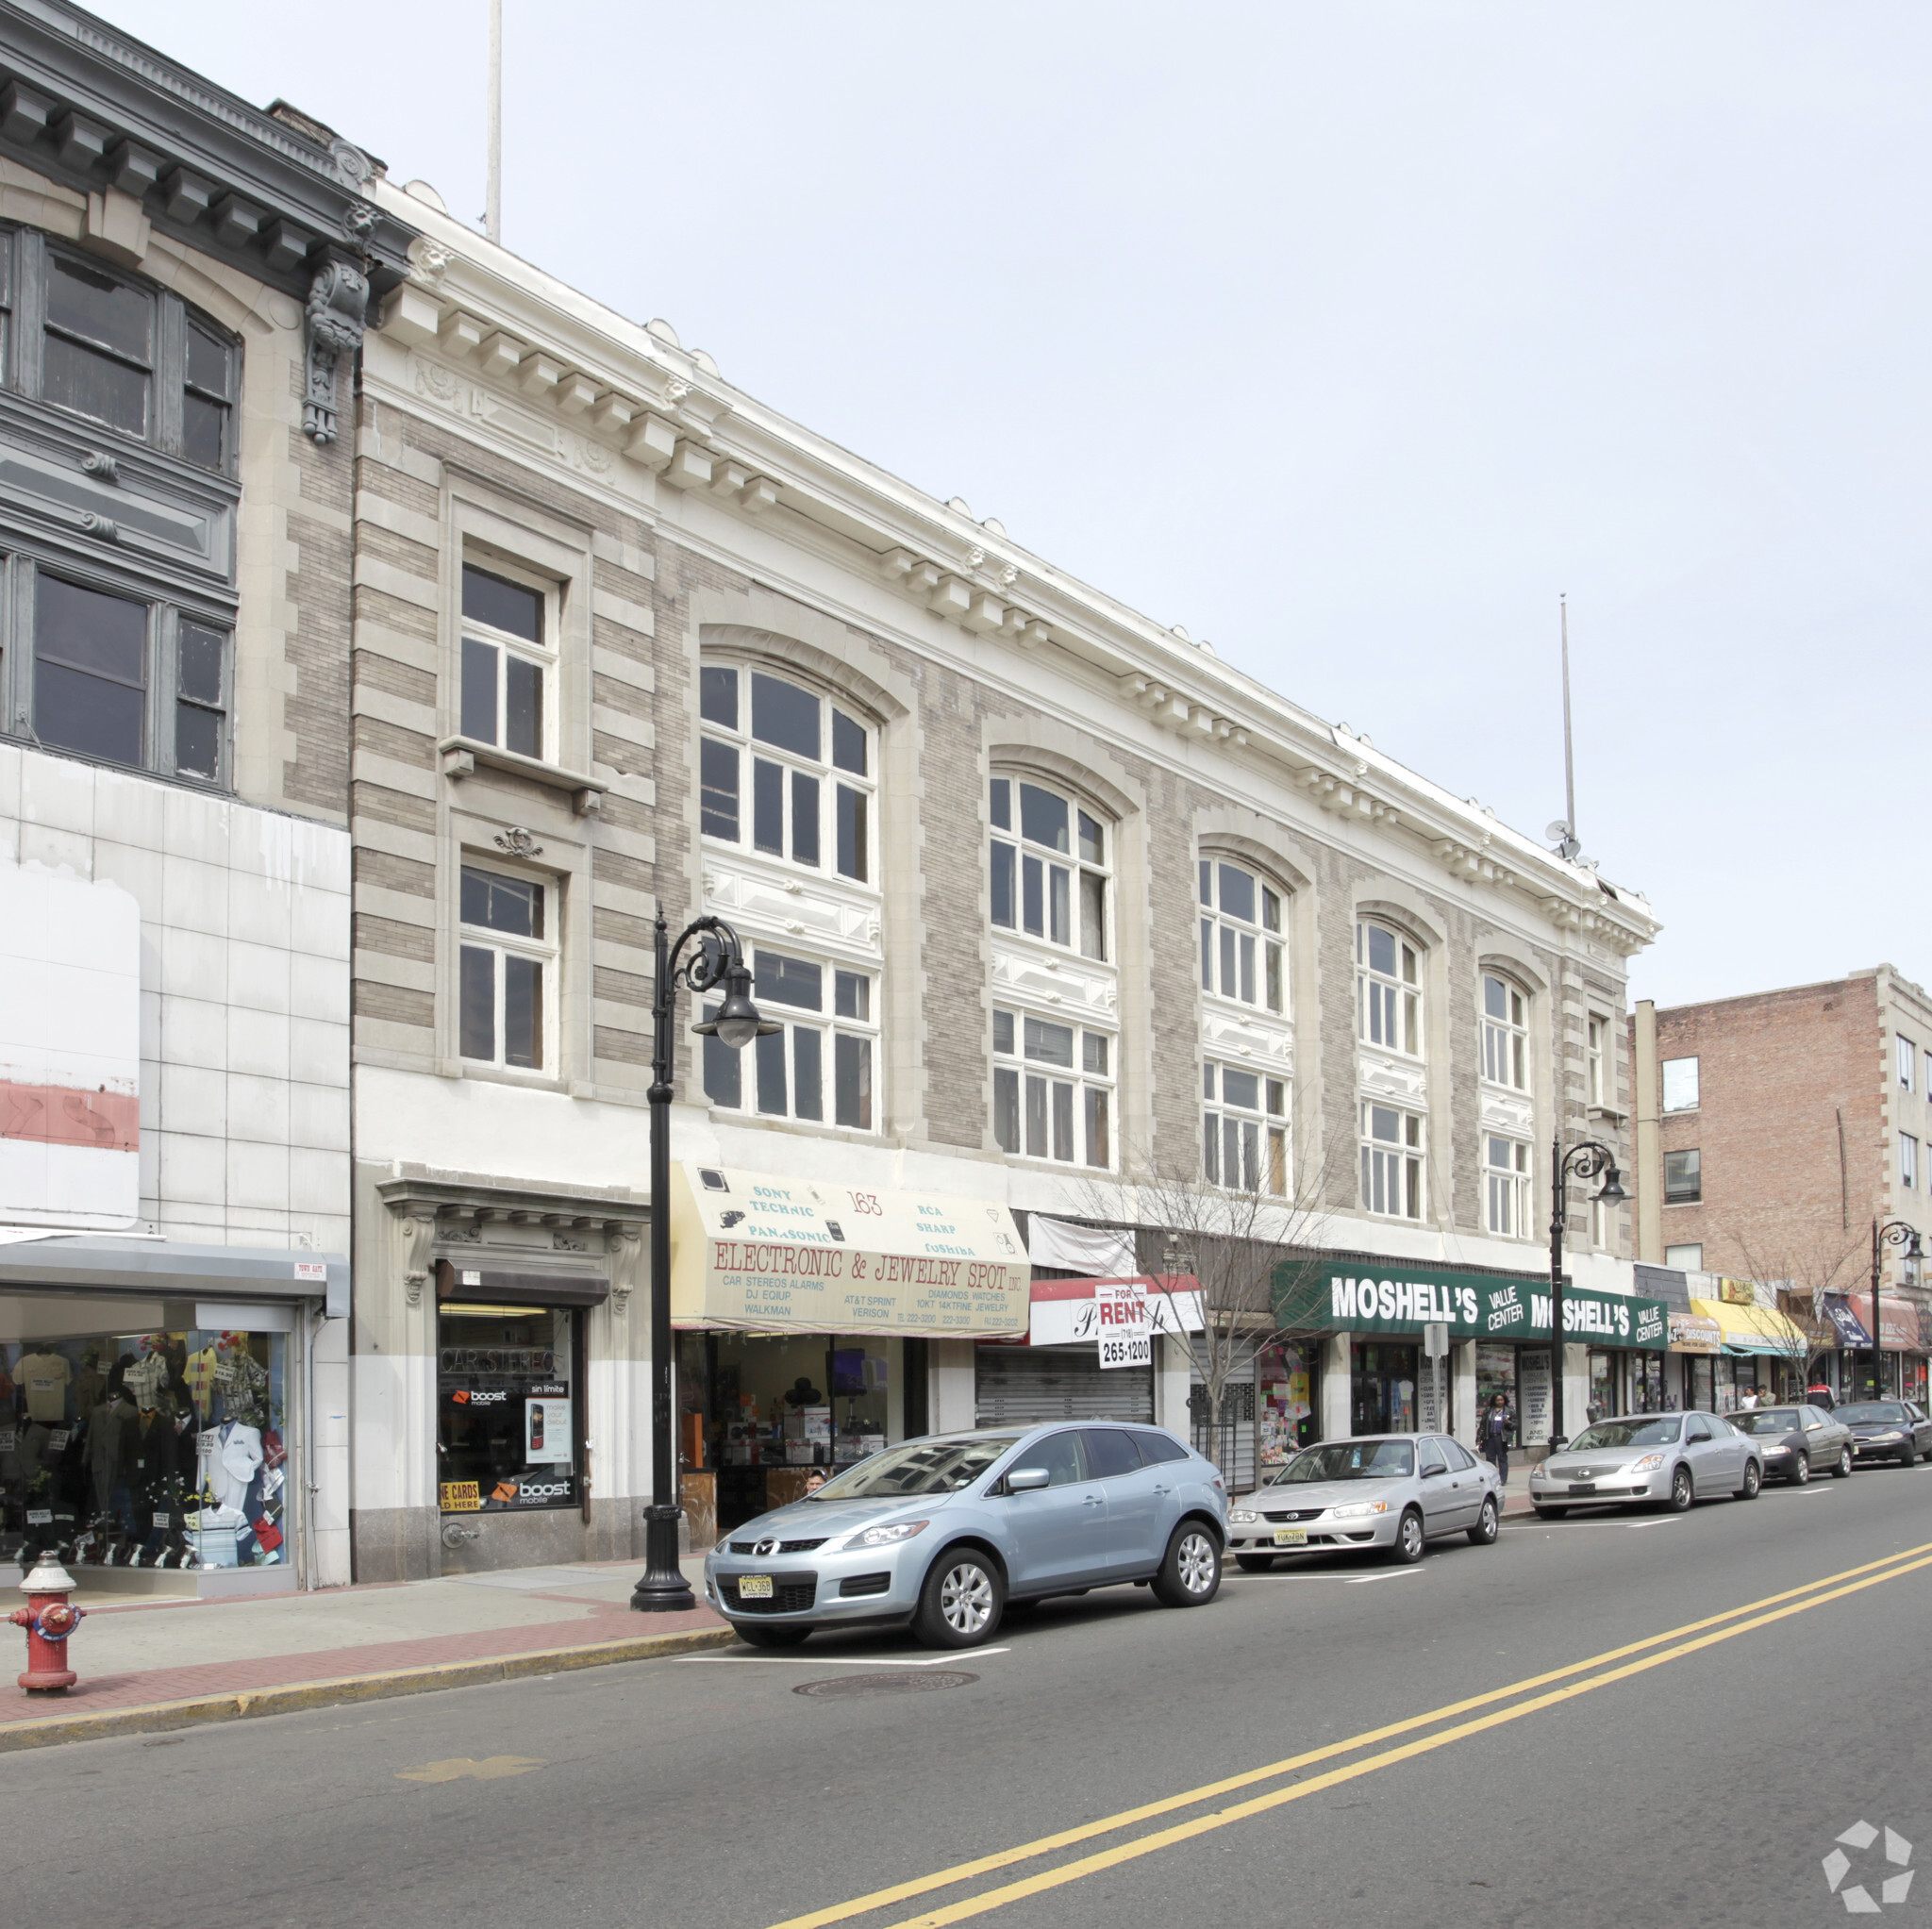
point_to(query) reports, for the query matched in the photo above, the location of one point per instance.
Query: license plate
(1290, 1537)
(754, 1587)
(1583, 1486)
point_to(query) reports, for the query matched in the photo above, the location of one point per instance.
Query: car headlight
(1888, 1438)
(886, 1536)
(1242, 1518)
(1539, 1471)
(1357, 1510)
(1649, 1464)
(1782, 1447)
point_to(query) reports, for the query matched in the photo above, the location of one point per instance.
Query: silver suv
(945, 1533)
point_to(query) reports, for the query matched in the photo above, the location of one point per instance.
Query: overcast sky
(1347, 335)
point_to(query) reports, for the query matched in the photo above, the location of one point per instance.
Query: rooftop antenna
(492, 205)
(1563, 832)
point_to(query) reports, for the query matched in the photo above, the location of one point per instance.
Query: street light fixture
(1893, 1232)
(1582, 1161)
(717, 959)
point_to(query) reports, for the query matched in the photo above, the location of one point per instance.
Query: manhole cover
(905, 1680)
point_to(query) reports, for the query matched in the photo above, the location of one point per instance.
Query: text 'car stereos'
(947, 1532)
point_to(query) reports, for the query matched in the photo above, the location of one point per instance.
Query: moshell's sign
(756, 1253)
(1473, 1306)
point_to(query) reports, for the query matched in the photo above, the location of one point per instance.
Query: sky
(1349, 335)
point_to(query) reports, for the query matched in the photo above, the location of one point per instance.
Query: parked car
(1670, 1459)
(946, 1532)
(1396, 1492)
(1888, 1430)
(1798, 1441)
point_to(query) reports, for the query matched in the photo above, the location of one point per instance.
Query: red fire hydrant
(48, 1618)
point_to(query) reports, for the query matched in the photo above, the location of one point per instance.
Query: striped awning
(1754, 1329)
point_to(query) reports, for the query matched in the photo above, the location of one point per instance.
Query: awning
(1063, 1309)
(1693, 1333)
(754, 1253)
(168, 1268)
(1749, 1330)
(492, 1285)
(1846, 1322)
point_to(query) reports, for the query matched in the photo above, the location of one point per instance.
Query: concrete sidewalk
(151, 1664)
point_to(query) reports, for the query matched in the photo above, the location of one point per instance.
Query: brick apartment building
(1773, 1131)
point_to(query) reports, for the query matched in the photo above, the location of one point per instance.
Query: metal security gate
(1026, 1386)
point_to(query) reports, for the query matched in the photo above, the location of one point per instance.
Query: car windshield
(918, 1466)
(1639, 1430)
(1872, 1413)
(1765, 1419)
(1349, 1460)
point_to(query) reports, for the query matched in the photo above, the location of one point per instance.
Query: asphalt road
(1698, 1779)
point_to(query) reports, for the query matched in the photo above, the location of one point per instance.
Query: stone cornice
(635, 392)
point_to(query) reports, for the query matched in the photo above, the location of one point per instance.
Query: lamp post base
(664, 1588)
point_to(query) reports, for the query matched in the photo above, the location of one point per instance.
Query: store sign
(1737, 1292)
(1693, 1333)
(1898, 1324)
(755, 1253)
(1123, 1324)
(1533, 1388)
(461, 1497)
(1846, 1322)
(1470, 1306)
(546, 1432)
(1066, 1312)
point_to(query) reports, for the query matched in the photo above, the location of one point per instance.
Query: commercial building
(183, 278)
(1776, 1132)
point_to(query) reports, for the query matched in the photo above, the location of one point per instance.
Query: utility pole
(1568, 760)
(493, 204)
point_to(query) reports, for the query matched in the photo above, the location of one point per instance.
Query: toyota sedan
(945, 1533)
(1667, 1460)
(1392, 1492)
(1888, 1430)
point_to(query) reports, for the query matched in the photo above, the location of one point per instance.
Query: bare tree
(1250, 1248)
(1802, 1265)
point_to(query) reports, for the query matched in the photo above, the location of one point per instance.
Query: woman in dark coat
(1497, 1429)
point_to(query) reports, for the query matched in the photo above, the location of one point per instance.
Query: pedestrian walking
(1493, 1436)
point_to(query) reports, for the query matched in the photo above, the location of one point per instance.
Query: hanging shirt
(144, 1379)
(44, 1377)
(201, 1371)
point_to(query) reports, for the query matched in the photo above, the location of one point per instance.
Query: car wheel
(1543, 1513)
(1190, 1572)
(1486, 1526)
(1411, 1542)
(960, 1603)
(1255, 1563)
(769, 1637)
(1843, 1470)
(1801, 1468)
(1681, 1493)
(1910, 1456)
(1754, 1480)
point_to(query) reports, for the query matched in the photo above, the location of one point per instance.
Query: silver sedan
(1396, 1492)
(1667, 1459)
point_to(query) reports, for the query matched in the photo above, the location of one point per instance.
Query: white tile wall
(245, 1031)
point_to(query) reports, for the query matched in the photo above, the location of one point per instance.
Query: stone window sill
(462, 757)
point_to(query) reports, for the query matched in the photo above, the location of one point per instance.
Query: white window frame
(1250, 952)
(1596, 1060)
(1388, 1004)
(1244, 1147)
(828, 1024)
(829, 777)
(547, 654)
(1909, 1161)
(1907, 1055)
(1673, 1257)
(546, 952)
(1505, 1035)
(1393, 1169)
(1074, 863)
(1691, 1082)
(1508, 1187)
(1032, 1093)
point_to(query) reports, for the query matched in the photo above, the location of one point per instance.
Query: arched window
(1506, 1034)
(1240, 936)
(1050, 867)
(1388, 998)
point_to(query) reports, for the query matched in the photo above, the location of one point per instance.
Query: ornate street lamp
(1582, 1161)
(717, 959)
(1893, 1232)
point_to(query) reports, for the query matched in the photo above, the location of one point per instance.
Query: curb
(248, 1703)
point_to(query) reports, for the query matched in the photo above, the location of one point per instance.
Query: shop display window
(507, 1432)
(1284, 1402)
(1385, 1389)
(155, 1450)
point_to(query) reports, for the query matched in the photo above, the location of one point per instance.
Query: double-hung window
(1506, 1034)
(785, 772)
(1392, 1160)
(507, 970)
(1683, 1177)
(1506, 1182)
(1051, 1089)
(1596, 1076)
(1908, 1055)
(1240, 936)
(1388, 1010)
(818, 1067)
(1049, 867)
(1244, 1129)
(1908, 1160)
(509, 662)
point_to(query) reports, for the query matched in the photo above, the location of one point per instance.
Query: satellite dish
(1558, 832)
(1567, 846)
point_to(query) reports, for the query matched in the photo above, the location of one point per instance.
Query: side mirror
(1430, 1473)
(1027, 1479)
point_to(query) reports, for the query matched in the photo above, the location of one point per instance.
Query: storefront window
(1602, 1386)
(1384, 1393)
(507, 1382)
(1285, 1401)
(146, 1450)
(1647, 1383)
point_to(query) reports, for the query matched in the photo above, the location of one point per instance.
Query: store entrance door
(1383, 1389)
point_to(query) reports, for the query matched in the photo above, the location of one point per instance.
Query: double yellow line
(1615, 1664)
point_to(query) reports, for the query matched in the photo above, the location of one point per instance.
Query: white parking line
(1550, 1526)
(833, 1660)
(1352, 1580)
